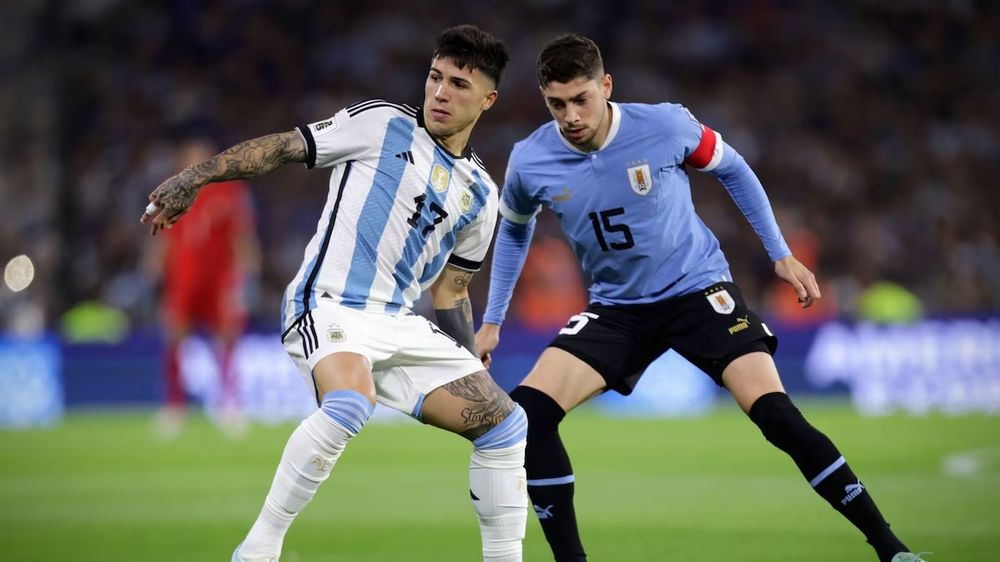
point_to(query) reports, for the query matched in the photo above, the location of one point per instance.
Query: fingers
(152, 210)
(800, 278)
(487, 360)
(807, 288)
(157, 215)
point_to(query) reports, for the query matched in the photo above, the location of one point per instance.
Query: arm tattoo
(249, 159)
(462, 280)
(487, 405)
(457, 323)
(245, 160)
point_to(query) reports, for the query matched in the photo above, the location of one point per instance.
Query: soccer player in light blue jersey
(410, 207)
(616, 176)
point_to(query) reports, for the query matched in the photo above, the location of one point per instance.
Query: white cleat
(236, 557)
(908, 557)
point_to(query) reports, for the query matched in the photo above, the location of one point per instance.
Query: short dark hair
(468, 46)
(568, 57)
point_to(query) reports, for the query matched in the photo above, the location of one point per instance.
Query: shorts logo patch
(741, 324)
(640, 179)
(335, 334)
(722, 302)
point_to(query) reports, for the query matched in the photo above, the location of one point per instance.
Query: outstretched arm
(174, 197)
(513, 242)
(452, 306)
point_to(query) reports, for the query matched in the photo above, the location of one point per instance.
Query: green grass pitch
(100, 488)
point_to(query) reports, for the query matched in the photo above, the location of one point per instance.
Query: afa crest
(640, 179)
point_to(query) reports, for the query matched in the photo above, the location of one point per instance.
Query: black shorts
(710, 328)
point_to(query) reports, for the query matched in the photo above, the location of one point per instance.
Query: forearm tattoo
(245, 160)
(457, 323)
(251, 158)
(488, 405)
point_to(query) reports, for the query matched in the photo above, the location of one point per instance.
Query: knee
(511, 432)
(543, 413)
(779, 420)
(347, 408)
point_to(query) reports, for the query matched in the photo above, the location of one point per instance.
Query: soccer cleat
(908, 557)
(236, 556)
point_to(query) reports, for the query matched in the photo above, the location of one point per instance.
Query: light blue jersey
(626, 208)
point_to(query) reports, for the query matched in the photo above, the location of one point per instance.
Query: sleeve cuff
(462, 263)
(513, 216)
(310, 145)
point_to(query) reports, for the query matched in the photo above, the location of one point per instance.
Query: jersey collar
(467, 153)
(616, 121)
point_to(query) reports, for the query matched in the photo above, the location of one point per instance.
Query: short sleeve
(341, 138)
(473, 241)
(701, 146)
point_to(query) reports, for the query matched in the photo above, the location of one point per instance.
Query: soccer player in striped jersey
(410, 207)
(616, 176)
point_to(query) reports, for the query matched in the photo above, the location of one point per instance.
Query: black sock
(826, 470)
(550, 475)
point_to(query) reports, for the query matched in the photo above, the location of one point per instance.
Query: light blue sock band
(506, 433)
(348, 408)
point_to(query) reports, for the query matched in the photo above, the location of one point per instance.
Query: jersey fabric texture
(626, 208)
(709, 328)
(400, 207)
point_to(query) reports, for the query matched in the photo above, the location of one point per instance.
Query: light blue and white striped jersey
(400, 206)
(626, 208)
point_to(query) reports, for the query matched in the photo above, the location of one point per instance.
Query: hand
(168, 202)
(487, 339)
(800, 278)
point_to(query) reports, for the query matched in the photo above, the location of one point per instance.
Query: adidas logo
(544, 512)
(408, 156)
(852, 491)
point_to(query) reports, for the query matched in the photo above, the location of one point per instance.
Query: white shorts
(408, 355)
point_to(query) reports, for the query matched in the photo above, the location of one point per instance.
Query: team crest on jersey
(440, 178)
(466, 201)
(335, 334)
(640, 179)
(722, 302)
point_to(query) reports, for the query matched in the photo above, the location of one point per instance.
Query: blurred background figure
(207, 263)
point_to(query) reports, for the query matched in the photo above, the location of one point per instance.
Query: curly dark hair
(468, 46)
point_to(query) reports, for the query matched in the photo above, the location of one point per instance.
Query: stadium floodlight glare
(19, 273)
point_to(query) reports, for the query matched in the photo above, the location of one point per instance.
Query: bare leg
(477, 409)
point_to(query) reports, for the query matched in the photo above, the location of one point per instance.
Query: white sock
(309, 456)
(499, 487)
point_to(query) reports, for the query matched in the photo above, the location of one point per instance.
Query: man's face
(454, 97)
(580, 109)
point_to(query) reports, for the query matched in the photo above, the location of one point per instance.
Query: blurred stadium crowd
(874, 126)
